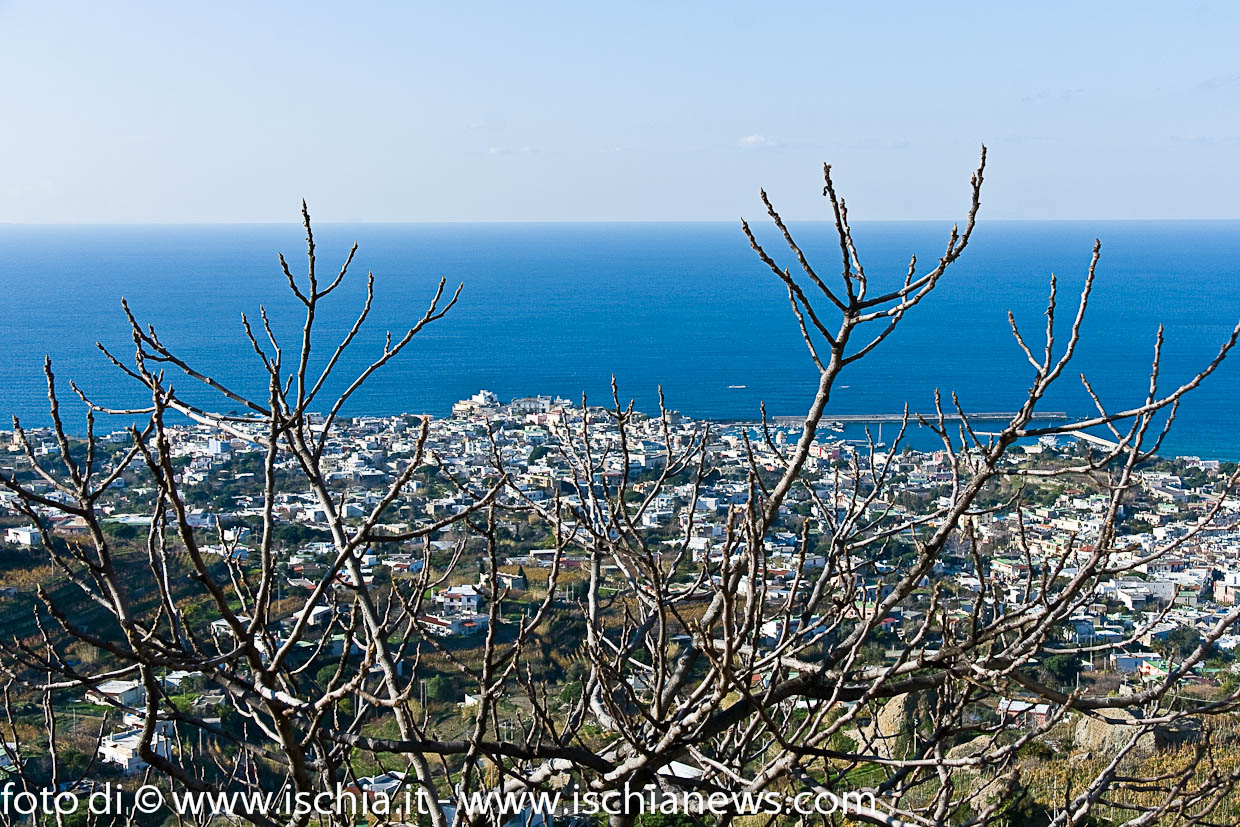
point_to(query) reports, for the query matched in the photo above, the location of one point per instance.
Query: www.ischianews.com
(122, 800)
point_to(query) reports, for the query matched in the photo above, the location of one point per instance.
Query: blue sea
(559, 308)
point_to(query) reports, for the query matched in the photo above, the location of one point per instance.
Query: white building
(125, 693)
(121, 749)
(23, 536)
(380, 785)
(455, 625)
(318, 616)
(459, 600)
(531, 405)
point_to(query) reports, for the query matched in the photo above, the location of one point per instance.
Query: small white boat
(735, 387)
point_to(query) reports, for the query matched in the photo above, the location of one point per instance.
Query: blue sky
(221, 111)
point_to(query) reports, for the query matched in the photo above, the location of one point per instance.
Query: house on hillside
(454, 625)
(459, 600)
(125, 693)
(22, 536)
(122, 749)
(1033, 714)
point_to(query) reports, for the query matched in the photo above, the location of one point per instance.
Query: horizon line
(455, 221)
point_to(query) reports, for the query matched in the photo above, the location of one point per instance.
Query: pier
(1095, 440)
(852, 419)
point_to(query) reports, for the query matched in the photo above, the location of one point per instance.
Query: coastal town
(1135, 628)
(620, 415)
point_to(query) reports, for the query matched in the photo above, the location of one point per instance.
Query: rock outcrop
(1110, 733)
(898, 722)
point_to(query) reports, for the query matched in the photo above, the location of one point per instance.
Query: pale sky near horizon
(390, 111)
